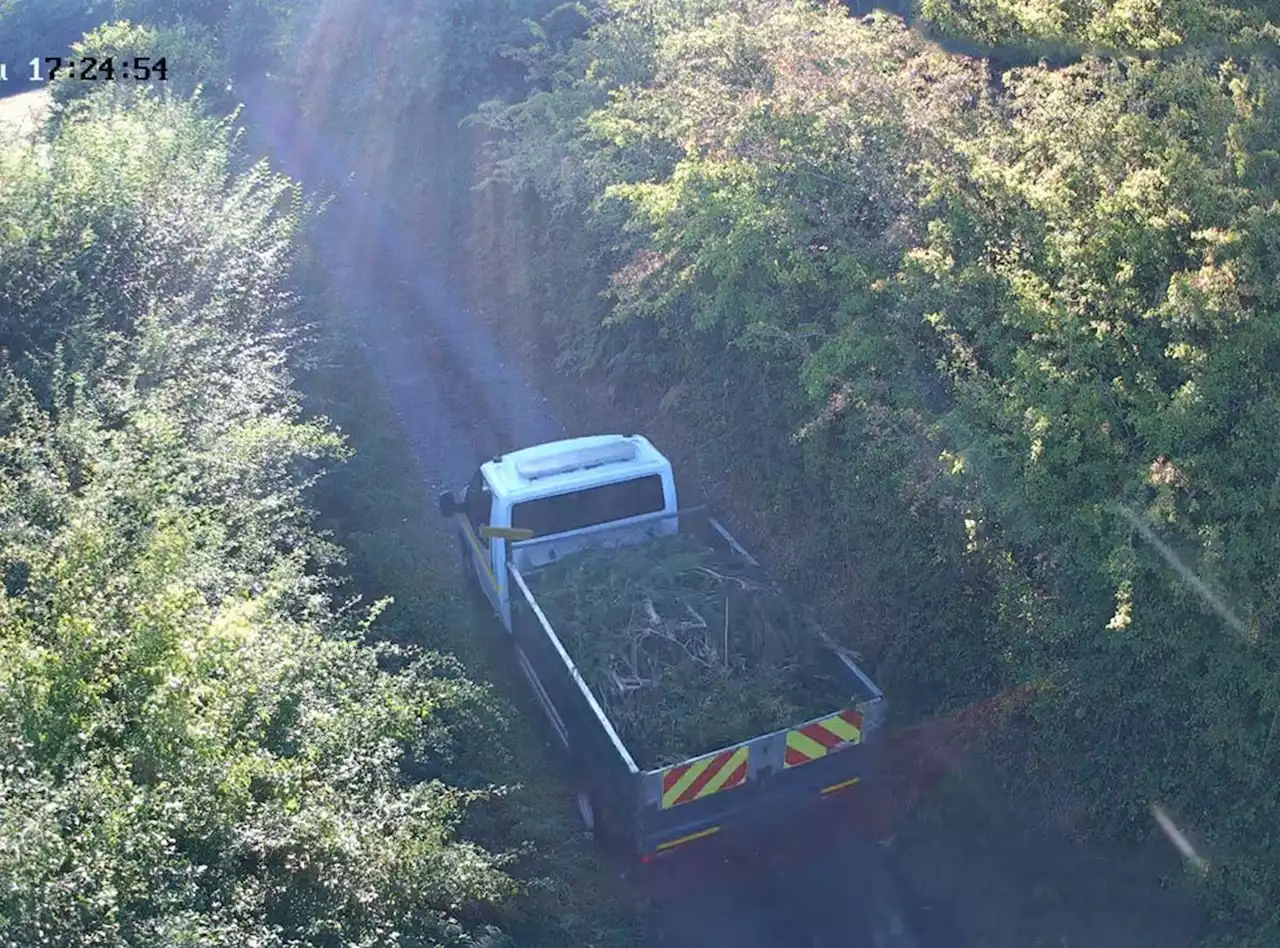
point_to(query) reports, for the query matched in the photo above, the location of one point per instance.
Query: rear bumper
(780, 839)
(800, 812)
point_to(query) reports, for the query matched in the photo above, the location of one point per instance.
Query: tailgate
(759, 781)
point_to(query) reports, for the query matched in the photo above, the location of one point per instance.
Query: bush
(1006, 346)
(195, 747)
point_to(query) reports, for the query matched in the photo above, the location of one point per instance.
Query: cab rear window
(586, 508)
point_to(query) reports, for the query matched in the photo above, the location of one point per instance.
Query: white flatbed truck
(530, 508)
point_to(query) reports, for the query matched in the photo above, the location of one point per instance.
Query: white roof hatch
(577, 459)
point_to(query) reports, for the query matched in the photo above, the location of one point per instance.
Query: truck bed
(697, 705)
(687, 645)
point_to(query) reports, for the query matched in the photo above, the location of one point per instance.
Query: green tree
(190, 60)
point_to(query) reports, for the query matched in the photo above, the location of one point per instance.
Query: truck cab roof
(573, 464)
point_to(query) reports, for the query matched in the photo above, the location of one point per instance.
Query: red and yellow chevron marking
(705, 776)
(819, 738)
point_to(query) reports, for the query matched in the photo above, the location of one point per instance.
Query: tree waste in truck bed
(685, 650)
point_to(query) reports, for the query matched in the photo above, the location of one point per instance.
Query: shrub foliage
(1010, 345)
(195, 746)
(993, 317)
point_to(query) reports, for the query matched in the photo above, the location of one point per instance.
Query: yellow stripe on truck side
(842, 785)
(673, 843)
(481, 552)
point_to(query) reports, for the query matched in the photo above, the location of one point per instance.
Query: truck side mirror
(448, 507)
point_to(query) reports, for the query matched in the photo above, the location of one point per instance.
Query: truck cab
(561, 492)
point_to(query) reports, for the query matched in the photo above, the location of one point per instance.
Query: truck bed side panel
(592, 746)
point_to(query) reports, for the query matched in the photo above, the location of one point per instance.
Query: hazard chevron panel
(700, 778)
(814, 741)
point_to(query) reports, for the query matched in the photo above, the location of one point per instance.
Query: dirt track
(461, 397)
(460, 400)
